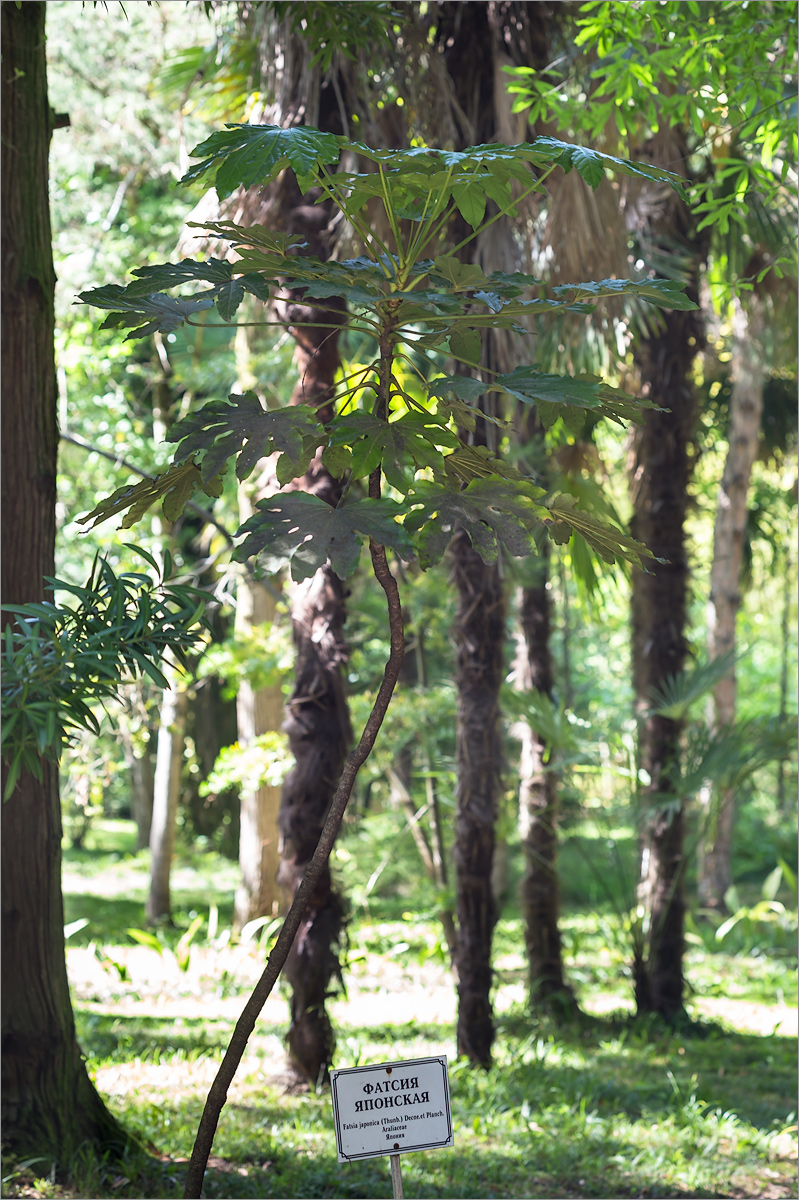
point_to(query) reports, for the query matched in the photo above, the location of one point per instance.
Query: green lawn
(605, 1107)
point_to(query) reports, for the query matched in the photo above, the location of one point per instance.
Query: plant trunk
(660, 479)
(479, 634)
(661, 471)
(317, 716)
(49, 1105)
(746, 409)
(141, 783)
(166, 796)
(259, 711)
(538, 809)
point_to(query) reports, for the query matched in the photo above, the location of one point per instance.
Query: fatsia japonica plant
(415, 300)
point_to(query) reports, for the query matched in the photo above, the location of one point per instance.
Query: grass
(608, 1106)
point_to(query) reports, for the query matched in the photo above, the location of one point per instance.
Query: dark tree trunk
(49, 1105)
(317, 716)
(480, 638)
(661, 472)
(473, 40)
(538, 808)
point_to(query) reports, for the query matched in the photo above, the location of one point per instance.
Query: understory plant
(410, 479)
(62, 663)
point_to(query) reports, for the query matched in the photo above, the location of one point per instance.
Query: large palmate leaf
(309, 533)
(609, 543)
(491, 511)
(147, 313)
(674, 697)
(554, 396)
(241, 426)
(244, 155)
(666, 293)
(592, 164)
(414, 440)
(173, 488)
(136, 304)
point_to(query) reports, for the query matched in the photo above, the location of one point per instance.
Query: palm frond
(675, 696)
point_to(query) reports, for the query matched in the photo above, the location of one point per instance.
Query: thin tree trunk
(166, 796)
(259, 711)
(746, 408)
(49, 1105)
(479, 634)
(140, 767)
(785, 634)
(538, 808)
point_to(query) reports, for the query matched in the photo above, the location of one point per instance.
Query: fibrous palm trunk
(480, 639)
(49, 1104)
(660, 476)
(746, 408)
(317, 716)
(538, 807)
(474, 41)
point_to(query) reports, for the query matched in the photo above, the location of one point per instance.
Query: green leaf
(401, 446)
(245, 155)
(677, 693)
(609, 543)
(309, 533)
(491, 511)
(592, 164)
(240, 426)
(666, 293)
(465, 344)
(159, 311)
(470, 198)
(174, 488)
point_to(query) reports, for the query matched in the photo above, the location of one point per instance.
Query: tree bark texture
(49, 1105)
(475, 41)
(538, 807)
(166, 797)
(661, 472)
(259, 710)
(480, 639)
(746, 409)
(317, 716)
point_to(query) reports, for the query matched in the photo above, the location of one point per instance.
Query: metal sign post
(392, 1109)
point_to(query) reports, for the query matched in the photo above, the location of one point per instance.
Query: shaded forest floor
(604, 1107)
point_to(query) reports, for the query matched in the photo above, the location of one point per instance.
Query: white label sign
(391, 1108)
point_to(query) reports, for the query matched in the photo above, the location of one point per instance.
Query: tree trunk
(166, 796)
(259, 711)
(479, 634)
(660, 479)
(746, 408)
(49, 1105)
(140, 767)
(538, 808)
(317, 716)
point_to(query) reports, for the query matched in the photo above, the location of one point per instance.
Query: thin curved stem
(217, 1095)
